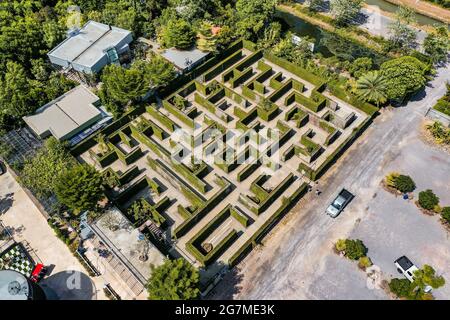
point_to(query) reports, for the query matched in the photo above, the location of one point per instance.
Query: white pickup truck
(339, 203)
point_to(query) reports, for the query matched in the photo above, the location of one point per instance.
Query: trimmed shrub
(446, 214)
(340, 245)
(364, 262)
(355, 249)
(428, 200)
(401, 287)
(404, 184)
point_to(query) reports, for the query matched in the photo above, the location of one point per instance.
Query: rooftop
(182, 59)
(128, 243)
(65, 114)
(88, 45)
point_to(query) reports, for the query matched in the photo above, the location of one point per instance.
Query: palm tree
(372, 87)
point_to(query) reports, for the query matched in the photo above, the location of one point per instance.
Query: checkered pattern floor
(17, 259)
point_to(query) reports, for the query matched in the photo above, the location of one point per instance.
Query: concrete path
(68, 280)
(297, 261)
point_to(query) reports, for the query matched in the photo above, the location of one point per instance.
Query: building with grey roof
(92, 47)
(185, 60)
(67, 115)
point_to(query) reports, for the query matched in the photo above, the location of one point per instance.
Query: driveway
(297, 261)
(68, 280)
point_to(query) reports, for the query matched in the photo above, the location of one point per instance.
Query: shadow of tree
(228, 287)
(6, 203)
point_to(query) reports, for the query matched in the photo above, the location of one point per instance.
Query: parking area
(67, 279)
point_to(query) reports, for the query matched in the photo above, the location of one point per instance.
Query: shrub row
(167, 122)
(179, 114)
(188, 224)
(262, 231)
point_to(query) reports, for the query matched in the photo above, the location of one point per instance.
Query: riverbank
(356, 34)
(426, 8)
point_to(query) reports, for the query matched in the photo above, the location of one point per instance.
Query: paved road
(296, 254)
(67, 278)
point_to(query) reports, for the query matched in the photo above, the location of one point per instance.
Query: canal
(390, 7)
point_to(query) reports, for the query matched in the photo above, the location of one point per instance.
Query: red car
(38, 272)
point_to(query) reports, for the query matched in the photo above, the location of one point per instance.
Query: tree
(271, 35)
(140, 210)
(315, 5)
(253, 16)
(177, 33)
(42, 172)
(80, 188)
(372, 87)
(402, 35)
(174, 280)
(157, 70)
(437, 44)
(428, 200)
(345, 11)
(404, 75)
(427, 276)
(15, 92)
(206, 40)
(360, 66)
(123, 85)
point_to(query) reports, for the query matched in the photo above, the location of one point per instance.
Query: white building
(91, 48)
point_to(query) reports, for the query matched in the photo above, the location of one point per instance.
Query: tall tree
(123, 85)
(402, 35)
(15, 92)
(437, 44)
(345, 11)
(174, 280)
(157, 70)
(80, 188)
(177, 33)
(42, 172)
(253, 16)
(206, 40)
(372, 87)
(404, 75)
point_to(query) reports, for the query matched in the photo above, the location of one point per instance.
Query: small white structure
(185, 60)
(92, 47)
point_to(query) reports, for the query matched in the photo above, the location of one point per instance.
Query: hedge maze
(218, 161)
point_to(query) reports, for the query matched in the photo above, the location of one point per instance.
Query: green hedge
(262, 231)
(248, 170)
(295, 69)
(128, 175)
(241, 218)
(179, 114)
(167, 122)
(241, 78)
(106, 159)
(275, 193)
(225, 64)
(193, 244)
(188, 224)
(367, 108)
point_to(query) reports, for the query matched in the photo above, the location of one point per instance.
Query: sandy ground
(426, 8)
(68, 280)
(296, 260)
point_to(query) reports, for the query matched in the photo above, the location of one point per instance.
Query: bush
(428, 200)
(402, 288)
(404, 184)
(364, 262)
(355, 249)
(340, 245)
(446, 214)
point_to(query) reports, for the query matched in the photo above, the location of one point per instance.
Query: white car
(405, 266)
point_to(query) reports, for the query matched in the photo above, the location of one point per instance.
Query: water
(390, 7)
(326, 43)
